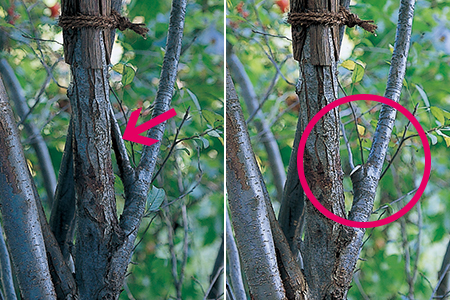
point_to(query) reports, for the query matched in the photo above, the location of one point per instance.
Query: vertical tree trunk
(20, 212)
(97, 229)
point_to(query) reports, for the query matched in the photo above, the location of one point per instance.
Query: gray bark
(6, 273)
(316, 88)
(63, 210)
(37, 141)
(97, 230)
(234, 263)
(137, 185)
(248, 207)
(365, 179)
(443, 286)
(20, 213)
(237, 71)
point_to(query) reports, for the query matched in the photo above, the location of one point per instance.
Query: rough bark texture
(316, 88)
(251, 209)
(330, 273)
(20, 213)
(98, 233)
(63, 210)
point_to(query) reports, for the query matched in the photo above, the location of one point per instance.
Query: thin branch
(271, 35)
(219, 272)
(126, 171)
(268, 92)
(39, 39)
(174, 261)
(402, 140)
(347, 144)
(234, 264)
(126, 121)
(6, 274)
(396, 200)
(442, 287)
(440, 280)
(268, 139)
(133, 211)
(185, 243)
(357, 132)
(174, 143)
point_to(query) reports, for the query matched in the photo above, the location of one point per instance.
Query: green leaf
(214, 133)
(236, 18)
(348, 64)
(358, 73)
(127, 71)
(438, 114)
(194, 99)
(212, 118)
(433, 138)
(446, 137)
(423, 95)
(118, 68)
(155, 198)
(128, 75)
(205, 142)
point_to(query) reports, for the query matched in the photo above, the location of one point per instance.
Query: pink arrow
(132, 132)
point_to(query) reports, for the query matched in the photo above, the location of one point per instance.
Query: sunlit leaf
(348, 64)
(358, 73)
(155, 198)
(361, 130)
(423, 95)
(438, 114)
(194, 99)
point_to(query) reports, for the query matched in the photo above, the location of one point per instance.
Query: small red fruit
(283, 5)
(54, 10)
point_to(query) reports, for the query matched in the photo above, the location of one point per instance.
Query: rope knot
(115, 20)
(326, 18)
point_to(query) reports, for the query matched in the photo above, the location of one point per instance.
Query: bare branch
(38, 143)
(135, 202)
(19, 211)
(247, 205)
(234, 264)
(365, 179)
(270, 144)
(442, 288)
(63, 211)
(6, 274)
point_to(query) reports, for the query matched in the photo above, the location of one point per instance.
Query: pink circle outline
(411, 203)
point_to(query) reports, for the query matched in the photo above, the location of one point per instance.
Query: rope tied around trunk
(327, 18)
(115, 20)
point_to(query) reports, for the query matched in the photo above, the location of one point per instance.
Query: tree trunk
(20, 212)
